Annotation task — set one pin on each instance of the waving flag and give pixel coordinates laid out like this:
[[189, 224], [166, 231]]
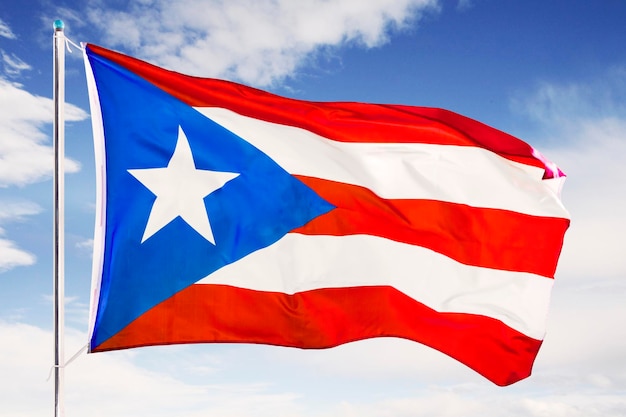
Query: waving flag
[[229, 214]]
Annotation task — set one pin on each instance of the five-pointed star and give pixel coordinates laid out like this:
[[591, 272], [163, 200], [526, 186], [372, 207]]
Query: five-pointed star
[[180, 189]]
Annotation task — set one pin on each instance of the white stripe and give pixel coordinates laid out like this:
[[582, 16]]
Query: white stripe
[[299, 263], [100, 165], [458, 174]]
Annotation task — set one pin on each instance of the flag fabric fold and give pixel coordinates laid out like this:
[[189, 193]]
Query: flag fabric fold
[[229, 214]]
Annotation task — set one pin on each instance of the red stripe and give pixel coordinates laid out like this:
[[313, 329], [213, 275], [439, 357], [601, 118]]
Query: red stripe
[[482, 237], [329, 317], [346, 122]]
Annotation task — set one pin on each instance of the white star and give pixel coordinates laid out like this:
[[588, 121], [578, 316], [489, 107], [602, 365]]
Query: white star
[[180, 189]]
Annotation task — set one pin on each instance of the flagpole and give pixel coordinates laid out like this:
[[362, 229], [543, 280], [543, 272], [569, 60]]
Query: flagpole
[[58, 214]]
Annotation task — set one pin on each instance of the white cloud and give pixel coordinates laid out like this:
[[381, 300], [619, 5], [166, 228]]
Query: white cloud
[[476, 401], [25, 156], [585, 125], [76, 311], [71, 18], [112, 384], [86, 244], [584, 352], [17, 210], [463, 5], [594, 195], [562, 107], [13, 66], [12, 256], [253, 41], [5, 30], [116, 383], [371, 360]]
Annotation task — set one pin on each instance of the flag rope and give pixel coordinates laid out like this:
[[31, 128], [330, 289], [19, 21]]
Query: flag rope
[[72, 359], [69, 42]]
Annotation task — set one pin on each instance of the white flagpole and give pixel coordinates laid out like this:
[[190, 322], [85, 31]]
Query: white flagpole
[[59, 220]]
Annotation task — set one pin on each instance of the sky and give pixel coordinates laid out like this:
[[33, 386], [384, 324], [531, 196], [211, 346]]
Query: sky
[[551, 72]]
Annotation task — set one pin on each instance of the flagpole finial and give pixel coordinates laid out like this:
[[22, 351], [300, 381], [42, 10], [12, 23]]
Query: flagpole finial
[[58, 24]]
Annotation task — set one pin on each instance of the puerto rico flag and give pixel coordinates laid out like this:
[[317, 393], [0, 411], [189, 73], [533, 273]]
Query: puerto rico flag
[[229, 214]]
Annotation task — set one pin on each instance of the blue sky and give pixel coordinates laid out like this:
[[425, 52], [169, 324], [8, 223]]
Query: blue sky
[[550, 72]]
